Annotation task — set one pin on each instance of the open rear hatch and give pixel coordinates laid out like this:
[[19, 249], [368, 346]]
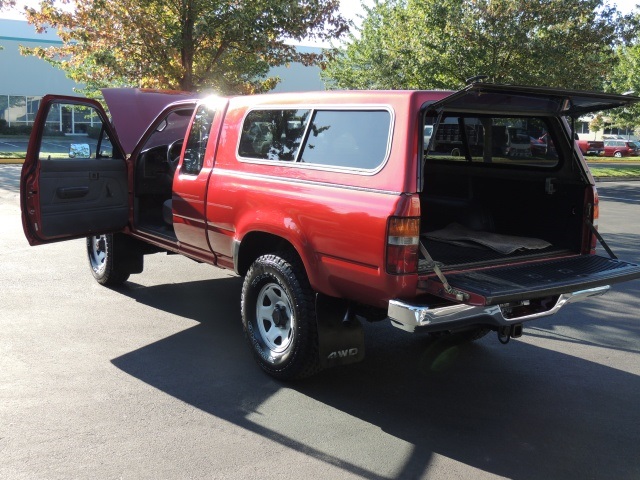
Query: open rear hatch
[[521, 100], [485, 278]]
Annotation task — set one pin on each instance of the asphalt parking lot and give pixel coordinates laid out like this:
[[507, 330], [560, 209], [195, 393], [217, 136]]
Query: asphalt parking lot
[[153, 380]]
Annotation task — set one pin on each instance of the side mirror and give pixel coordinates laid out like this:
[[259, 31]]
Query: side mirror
[[82, 150]]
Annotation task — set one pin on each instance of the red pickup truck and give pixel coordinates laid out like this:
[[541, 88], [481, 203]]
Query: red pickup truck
[[590, 147], [332, 207]]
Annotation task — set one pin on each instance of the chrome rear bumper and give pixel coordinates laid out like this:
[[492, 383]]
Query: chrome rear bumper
[[408, 316]]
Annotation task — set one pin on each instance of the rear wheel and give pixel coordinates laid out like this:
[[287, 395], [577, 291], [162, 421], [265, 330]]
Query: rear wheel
[[104, 266], [618, 154], [278, 317]]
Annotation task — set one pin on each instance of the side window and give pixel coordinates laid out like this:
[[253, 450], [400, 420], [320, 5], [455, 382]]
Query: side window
[[273, 134], [74, 131], [197, 140], [348, 138]]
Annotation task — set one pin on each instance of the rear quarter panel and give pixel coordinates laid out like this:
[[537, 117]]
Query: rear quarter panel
[[335, 219]]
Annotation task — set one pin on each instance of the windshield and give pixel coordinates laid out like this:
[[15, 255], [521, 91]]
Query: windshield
[[521, 141]]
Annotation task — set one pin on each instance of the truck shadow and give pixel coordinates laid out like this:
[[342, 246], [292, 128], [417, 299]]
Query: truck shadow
[[519, 411]]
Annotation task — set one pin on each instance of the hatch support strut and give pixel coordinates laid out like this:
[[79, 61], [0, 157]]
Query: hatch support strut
[[460, 296], [594, 230]]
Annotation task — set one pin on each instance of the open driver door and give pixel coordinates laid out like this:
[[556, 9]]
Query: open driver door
[[74, 180]]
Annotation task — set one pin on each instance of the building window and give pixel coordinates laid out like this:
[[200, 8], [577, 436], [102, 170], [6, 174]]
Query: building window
[[582, 127], [20, 110]]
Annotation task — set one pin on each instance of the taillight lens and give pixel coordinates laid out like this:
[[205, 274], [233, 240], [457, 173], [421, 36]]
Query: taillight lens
[[403, 238]]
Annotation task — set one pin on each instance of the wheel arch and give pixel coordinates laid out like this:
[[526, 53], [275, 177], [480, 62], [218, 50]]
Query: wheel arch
[[257, 243]]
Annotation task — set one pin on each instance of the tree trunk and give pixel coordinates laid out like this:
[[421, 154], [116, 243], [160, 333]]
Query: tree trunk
[[186, 50]]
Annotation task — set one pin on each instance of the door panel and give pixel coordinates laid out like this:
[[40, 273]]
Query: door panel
[[74, 180], [81, 196]]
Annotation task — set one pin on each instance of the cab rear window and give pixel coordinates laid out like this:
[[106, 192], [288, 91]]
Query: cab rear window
[[357, 139]]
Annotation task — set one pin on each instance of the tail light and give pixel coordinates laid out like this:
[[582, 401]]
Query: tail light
[[403, 238]]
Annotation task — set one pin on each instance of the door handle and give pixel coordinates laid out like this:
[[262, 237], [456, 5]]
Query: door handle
[[72, 192]]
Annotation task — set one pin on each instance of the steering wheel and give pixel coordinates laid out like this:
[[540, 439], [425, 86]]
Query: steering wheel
[[173, 153]]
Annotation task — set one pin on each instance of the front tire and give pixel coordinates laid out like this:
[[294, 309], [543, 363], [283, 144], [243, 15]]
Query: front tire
[[102, 259], [278, 317]]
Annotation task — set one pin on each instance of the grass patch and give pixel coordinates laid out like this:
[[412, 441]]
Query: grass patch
[[18, 155], [622, 160], [618, 172]]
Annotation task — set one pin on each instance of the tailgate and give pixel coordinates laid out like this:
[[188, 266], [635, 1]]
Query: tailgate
[[503, 284]]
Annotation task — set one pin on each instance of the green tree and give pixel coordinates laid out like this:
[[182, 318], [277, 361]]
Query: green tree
[[626, 78], [596, 124], [418, 44], [223, 45]]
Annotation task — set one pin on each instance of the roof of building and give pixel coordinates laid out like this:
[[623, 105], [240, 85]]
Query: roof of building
[[20, 30]]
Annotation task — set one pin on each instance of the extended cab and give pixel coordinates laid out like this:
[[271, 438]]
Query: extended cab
[[335, 206]]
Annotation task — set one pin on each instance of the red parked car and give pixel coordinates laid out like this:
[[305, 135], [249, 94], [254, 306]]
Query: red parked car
[[619, 148]]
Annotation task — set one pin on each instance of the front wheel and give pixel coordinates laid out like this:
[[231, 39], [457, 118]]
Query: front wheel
[[618, 154], [104, 266], [278, 317]]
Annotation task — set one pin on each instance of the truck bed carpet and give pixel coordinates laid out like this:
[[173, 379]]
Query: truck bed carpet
[[456, 234]]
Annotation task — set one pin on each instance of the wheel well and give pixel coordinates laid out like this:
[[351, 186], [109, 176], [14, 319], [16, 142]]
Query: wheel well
[[255, 244]]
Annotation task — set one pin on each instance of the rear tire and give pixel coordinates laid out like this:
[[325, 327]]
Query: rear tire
[[278, 317], [105, 267]]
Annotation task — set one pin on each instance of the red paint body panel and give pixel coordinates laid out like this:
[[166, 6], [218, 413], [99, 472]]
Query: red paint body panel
[[336, 221], [189, 194]]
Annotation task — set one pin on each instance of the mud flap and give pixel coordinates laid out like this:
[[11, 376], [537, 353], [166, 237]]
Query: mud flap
[[340, 335], [128, 253]]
